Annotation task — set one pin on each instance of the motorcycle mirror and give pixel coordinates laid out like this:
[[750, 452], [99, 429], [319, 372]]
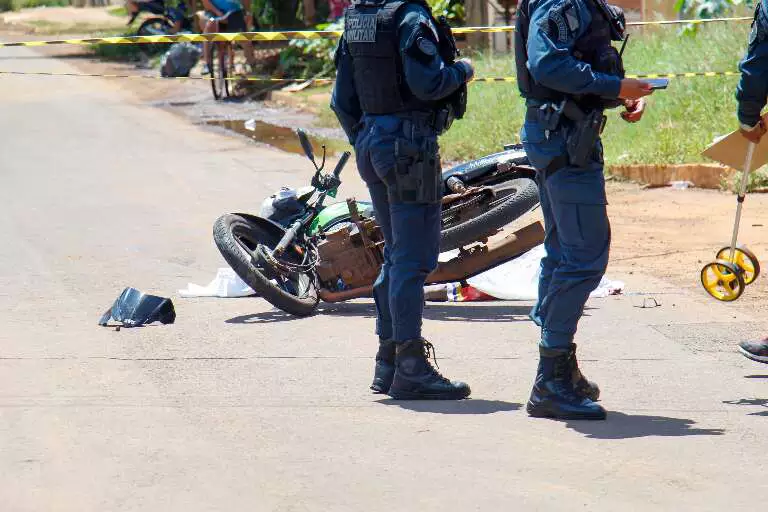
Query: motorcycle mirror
[[306, 145]]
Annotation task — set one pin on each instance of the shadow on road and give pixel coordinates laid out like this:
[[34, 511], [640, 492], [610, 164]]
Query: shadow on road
[[471, 406], [477, 312], [450, 313], [628, 426], [757, 402], [267, 317]]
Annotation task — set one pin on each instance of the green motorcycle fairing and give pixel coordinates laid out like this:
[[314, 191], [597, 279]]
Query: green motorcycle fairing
[[338, 212]]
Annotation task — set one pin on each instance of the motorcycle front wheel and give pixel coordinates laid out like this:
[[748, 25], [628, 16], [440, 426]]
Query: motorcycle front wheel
[[239, 239]]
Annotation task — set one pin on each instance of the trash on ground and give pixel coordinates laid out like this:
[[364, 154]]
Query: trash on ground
[[180, 59], [225, 284], [134, 308], [517, 279], [680, 185]]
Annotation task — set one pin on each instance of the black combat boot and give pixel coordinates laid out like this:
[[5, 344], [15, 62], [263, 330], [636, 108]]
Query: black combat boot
[[385, 366], [553, 394], [417, 379], [583, 387]]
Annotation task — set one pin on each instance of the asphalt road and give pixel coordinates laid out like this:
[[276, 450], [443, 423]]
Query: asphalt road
[[239, 407]]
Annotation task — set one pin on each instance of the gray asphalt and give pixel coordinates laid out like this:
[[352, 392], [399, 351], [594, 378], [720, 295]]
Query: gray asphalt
[[239, 407]]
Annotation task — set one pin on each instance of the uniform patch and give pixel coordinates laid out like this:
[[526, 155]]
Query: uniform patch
[[562, 22], [427, 47], [572, 19], [361, 28]]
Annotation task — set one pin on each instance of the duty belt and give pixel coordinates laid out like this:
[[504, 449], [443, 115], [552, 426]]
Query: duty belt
[[437, 120]]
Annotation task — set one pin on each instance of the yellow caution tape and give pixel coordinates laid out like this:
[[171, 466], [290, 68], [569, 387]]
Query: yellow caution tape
[[300, 34], [331, 80]]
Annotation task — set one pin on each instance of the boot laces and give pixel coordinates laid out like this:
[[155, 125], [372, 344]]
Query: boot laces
[[430, 348], [564, 378]]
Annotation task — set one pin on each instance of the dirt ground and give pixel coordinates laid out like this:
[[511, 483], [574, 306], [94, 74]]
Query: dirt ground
[[660, 233]]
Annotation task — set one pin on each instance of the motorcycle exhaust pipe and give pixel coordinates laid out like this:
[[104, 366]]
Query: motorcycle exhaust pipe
[[467, 264], [483, 257]]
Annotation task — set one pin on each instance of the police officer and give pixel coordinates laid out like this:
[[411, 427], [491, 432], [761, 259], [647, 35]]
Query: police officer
[[751, 95], [395, 93], [569, 73]]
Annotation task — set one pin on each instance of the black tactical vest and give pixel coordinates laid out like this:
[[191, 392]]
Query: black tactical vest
[[370, 30], [593, 48]]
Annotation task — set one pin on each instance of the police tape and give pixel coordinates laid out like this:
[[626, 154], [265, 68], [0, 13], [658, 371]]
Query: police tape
[[507, 79], [300, 34]]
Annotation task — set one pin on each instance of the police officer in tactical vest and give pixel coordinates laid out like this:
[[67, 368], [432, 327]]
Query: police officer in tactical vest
[[751, 95], [397, 88], [569, 74]]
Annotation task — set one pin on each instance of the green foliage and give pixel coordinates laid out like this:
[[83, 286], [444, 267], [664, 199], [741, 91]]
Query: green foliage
[[757, 180], [24, 4], [679, 123], [453, 10], [305, 58], [6, 5], [709, 8]]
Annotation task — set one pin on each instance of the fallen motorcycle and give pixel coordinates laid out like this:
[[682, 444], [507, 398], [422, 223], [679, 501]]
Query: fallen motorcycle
[[302, 252]]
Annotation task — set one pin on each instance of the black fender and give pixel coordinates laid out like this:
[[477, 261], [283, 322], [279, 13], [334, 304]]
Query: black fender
[[267, 224], [469, 171]]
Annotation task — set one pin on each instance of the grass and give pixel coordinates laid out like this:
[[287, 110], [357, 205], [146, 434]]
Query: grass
[[679, 123]]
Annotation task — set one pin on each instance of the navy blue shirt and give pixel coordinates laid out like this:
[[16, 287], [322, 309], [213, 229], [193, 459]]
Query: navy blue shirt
[[555, 25], [428, 80], [752, 90]]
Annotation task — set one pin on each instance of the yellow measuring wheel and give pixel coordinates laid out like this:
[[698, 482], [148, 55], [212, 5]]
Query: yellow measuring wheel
[[735, 266], [744, 259], [723, 280]]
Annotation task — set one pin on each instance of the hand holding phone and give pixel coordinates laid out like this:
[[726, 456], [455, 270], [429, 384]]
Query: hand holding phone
[[658, 83]]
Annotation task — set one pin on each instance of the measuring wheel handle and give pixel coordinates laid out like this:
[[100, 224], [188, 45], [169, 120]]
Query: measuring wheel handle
[[723, 280]]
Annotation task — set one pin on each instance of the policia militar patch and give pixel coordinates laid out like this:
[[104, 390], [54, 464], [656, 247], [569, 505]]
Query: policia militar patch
[[360, 28], [562, 22]]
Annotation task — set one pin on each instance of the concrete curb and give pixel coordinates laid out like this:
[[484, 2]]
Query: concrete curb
[[701, 175]]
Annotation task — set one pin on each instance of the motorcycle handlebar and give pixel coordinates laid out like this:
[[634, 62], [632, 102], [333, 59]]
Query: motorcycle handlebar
[[342, 162]]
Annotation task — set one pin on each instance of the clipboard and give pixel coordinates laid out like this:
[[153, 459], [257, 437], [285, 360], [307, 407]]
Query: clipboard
[[731, 149]]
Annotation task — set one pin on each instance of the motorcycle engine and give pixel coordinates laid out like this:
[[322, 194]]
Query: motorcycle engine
[[351, 257]]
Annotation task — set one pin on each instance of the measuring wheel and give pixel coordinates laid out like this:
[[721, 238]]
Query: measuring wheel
[[735, 266], [744, 259], [723, 280]]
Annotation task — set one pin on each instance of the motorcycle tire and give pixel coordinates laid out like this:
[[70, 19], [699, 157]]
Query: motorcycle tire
[[232, 234], [154, 26], [515, 197]]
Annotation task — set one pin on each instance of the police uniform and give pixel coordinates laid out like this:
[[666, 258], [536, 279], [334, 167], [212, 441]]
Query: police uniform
[[394, 95], [568, 72], [752, 90]]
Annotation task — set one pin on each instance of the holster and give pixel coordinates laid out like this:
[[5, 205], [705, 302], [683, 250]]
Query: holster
[[416, 177], [583, 134]]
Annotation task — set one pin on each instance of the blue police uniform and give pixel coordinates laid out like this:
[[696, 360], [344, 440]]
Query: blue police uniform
[[752, 90], [389, 136], [751, 94], [555, 70]]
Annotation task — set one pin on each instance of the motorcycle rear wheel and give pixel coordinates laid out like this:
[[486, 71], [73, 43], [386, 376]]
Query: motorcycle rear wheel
[[237, 239], [482, 217]]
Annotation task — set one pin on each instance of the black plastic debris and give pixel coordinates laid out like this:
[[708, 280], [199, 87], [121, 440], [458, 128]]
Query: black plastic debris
[[134, 309]]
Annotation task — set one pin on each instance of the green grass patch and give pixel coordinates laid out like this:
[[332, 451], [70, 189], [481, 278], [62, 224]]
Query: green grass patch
[[679, 123], [28, 4]]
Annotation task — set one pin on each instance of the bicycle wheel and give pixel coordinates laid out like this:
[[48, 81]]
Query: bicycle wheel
[[218, 63]]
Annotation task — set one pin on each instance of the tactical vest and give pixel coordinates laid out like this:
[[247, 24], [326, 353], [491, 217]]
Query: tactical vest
[[593, 48], [370, 31]]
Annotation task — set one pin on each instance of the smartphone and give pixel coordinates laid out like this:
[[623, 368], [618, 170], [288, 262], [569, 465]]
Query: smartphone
[[657, 83]]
